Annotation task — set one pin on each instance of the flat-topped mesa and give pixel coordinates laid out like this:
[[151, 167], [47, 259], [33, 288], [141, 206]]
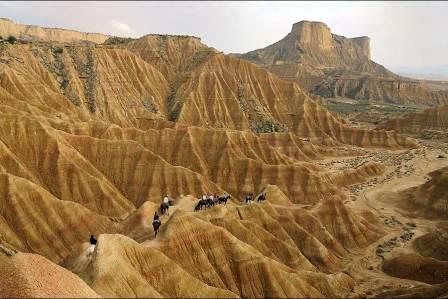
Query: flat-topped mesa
[[331, 65], [37, 33], [315, 48], [317, 36]]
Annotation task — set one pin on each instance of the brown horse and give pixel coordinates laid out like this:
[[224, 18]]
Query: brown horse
[[223, 199], [202, 203], [261, 197]]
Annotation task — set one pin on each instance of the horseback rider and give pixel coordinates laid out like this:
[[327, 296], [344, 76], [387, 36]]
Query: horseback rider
[[211, 201], [166, 200], [165, 205], [223, 198]]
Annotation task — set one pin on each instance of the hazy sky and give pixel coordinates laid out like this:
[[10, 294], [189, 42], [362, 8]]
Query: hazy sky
[[402, 33]]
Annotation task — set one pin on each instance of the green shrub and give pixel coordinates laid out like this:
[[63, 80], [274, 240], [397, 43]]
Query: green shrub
[[58, 50], [11, 39], [117, 40]]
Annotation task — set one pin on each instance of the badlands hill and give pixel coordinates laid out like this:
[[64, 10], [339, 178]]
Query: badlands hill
[[178, 79], [92, 137], [331, 65]]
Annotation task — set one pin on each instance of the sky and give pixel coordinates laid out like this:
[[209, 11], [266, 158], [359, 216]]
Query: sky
[[402, 34]]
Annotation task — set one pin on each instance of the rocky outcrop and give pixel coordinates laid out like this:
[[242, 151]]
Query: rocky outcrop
[[313, 44], [331, 66]]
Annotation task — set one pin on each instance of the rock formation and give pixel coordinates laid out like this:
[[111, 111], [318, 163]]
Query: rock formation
[[331, 66]]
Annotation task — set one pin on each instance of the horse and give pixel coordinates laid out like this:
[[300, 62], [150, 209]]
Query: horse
[[261, 197], [201, 203], [164, 208], [156, 226], [223, 199], [210, 202], [248, 199]]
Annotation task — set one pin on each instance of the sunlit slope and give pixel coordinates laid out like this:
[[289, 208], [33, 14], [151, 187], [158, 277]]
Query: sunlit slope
[[246, 251]]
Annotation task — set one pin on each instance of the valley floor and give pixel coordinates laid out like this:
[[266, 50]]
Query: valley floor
[[405, 169]]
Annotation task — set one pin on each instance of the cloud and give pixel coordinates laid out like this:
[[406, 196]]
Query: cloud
[[122, 28]]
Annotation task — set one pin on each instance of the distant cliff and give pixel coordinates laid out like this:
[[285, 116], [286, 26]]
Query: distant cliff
[[314, 44], [37, 33], [331, 65]]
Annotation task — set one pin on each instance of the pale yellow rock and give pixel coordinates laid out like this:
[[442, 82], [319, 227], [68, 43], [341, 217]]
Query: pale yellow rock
[[9, 27]]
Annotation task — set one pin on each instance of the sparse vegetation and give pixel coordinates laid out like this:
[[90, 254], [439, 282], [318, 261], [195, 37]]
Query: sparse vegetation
[[268, 126], [118, 40], [90, 66], [384, 110], [148, 104], [11, 39], [58, 50]]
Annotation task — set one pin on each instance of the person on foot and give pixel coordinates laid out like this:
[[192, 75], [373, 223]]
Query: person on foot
[[93, 242], [248, 199]]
